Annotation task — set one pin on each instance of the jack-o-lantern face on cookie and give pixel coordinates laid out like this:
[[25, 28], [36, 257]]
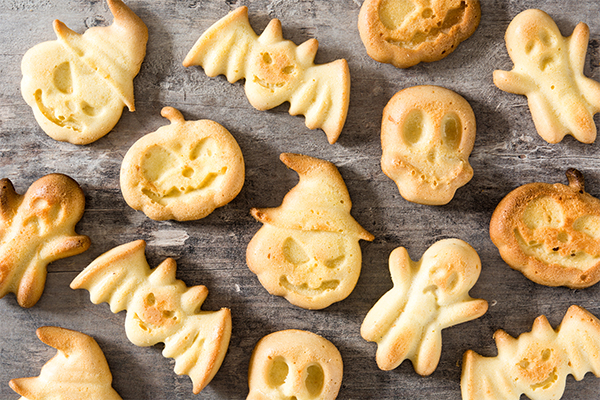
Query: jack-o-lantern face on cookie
[[538, 366], [551, 233], [182, 171], [294, 364], [427, 134], [307, 250], [78, 85]]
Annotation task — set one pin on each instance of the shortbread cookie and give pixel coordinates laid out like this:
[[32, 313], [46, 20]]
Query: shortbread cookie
[[78, 85], [536, 363], [549, 71], [78, 370], [307, 250], [405, 32], [551, 233], [276, 71], [36, 229], [160, 308], [427, 134], [428, 296], [182, 171], [294, 364]]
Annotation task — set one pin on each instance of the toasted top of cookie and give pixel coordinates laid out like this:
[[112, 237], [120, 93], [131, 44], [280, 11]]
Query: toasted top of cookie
[[78, 367], [294, 364], [404, 33], [276, 70], [427, 134], [182, 171]]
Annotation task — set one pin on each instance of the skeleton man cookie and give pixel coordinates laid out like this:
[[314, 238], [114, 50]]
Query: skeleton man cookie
[[548, 69], [78, 85], [428, 296], [427, 134], [36, 229], [78, 367], [276, 71], [160, 308], [536, 363], [307, 249], [182, 171], [294, 364]]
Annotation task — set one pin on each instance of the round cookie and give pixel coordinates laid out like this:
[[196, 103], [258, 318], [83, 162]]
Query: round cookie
[[182, 171], [406, 32], [427, 134], [294, 364]]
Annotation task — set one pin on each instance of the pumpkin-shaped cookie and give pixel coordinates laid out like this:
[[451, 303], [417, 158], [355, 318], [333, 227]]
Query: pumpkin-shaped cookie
[[551, 233], [182, 171]]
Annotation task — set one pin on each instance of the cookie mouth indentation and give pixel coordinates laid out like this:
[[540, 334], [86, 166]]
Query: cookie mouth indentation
[[51, 115], [268, 85], [305, 290]]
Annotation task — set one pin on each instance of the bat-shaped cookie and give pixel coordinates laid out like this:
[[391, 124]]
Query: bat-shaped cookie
[[160, 308], [276, 70], [536, 363]]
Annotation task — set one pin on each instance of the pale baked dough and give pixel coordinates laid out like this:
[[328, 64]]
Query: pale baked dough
[[182, 171], [160, 308], [307, 249], [78, 85], [78, 370], [427, 134], [536, 363], [406, 32], [276, 71], [428, 296], [35, 229], [551, 233], [548, 69], [294, 364]]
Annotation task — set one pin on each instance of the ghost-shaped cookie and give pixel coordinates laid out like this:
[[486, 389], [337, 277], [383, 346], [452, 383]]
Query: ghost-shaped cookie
[[182, 171], [307, 250], [79, 367], [548, 69], [78, 85]]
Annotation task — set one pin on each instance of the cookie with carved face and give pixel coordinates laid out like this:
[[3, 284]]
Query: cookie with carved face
[[536, 363], [551, 233], [307, 249], [182, 171], [407, 32], [548, 69], [78, 85], [294, 364], [427, 134]]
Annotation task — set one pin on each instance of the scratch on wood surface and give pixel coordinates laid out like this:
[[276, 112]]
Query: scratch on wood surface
[[168, 238]]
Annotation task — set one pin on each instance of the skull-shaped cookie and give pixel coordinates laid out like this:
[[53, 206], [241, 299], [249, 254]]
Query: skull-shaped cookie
[[549, 71], [294, 364], [427, 134], [182, 171], [78, 85], [307, 250]]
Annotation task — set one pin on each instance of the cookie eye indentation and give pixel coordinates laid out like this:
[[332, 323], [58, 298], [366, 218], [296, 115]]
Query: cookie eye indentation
[[314, 379], [529, 47], [62, 78], [452, 129], [293, 252], [278, 372], [413, 127]]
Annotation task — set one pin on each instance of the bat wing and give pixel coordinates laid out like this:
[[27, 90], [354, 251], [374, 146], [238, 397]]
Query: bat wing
[[323, 97], [579, 333], [486, 378], [223, 48]]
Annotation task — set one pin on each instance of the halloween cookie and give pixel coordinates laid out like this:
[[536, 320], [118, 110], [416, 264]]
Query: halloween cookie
[[182, 171], [551, 233], [548, 69], [294, 364], [160, 308], [406, 32], [428, 296], [307, 249], [427, 134], [276, 71], [536, 363], [78, 85], [36, 229], [78, 367]]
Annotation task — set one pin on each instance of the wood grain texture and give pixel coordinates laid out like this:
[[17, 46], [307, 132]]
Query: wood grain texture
[[507, 154]]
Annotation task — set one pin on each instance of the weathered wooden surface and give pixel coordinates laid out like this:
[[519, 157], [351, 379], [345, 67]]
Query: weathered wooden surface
[[507, 153]]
